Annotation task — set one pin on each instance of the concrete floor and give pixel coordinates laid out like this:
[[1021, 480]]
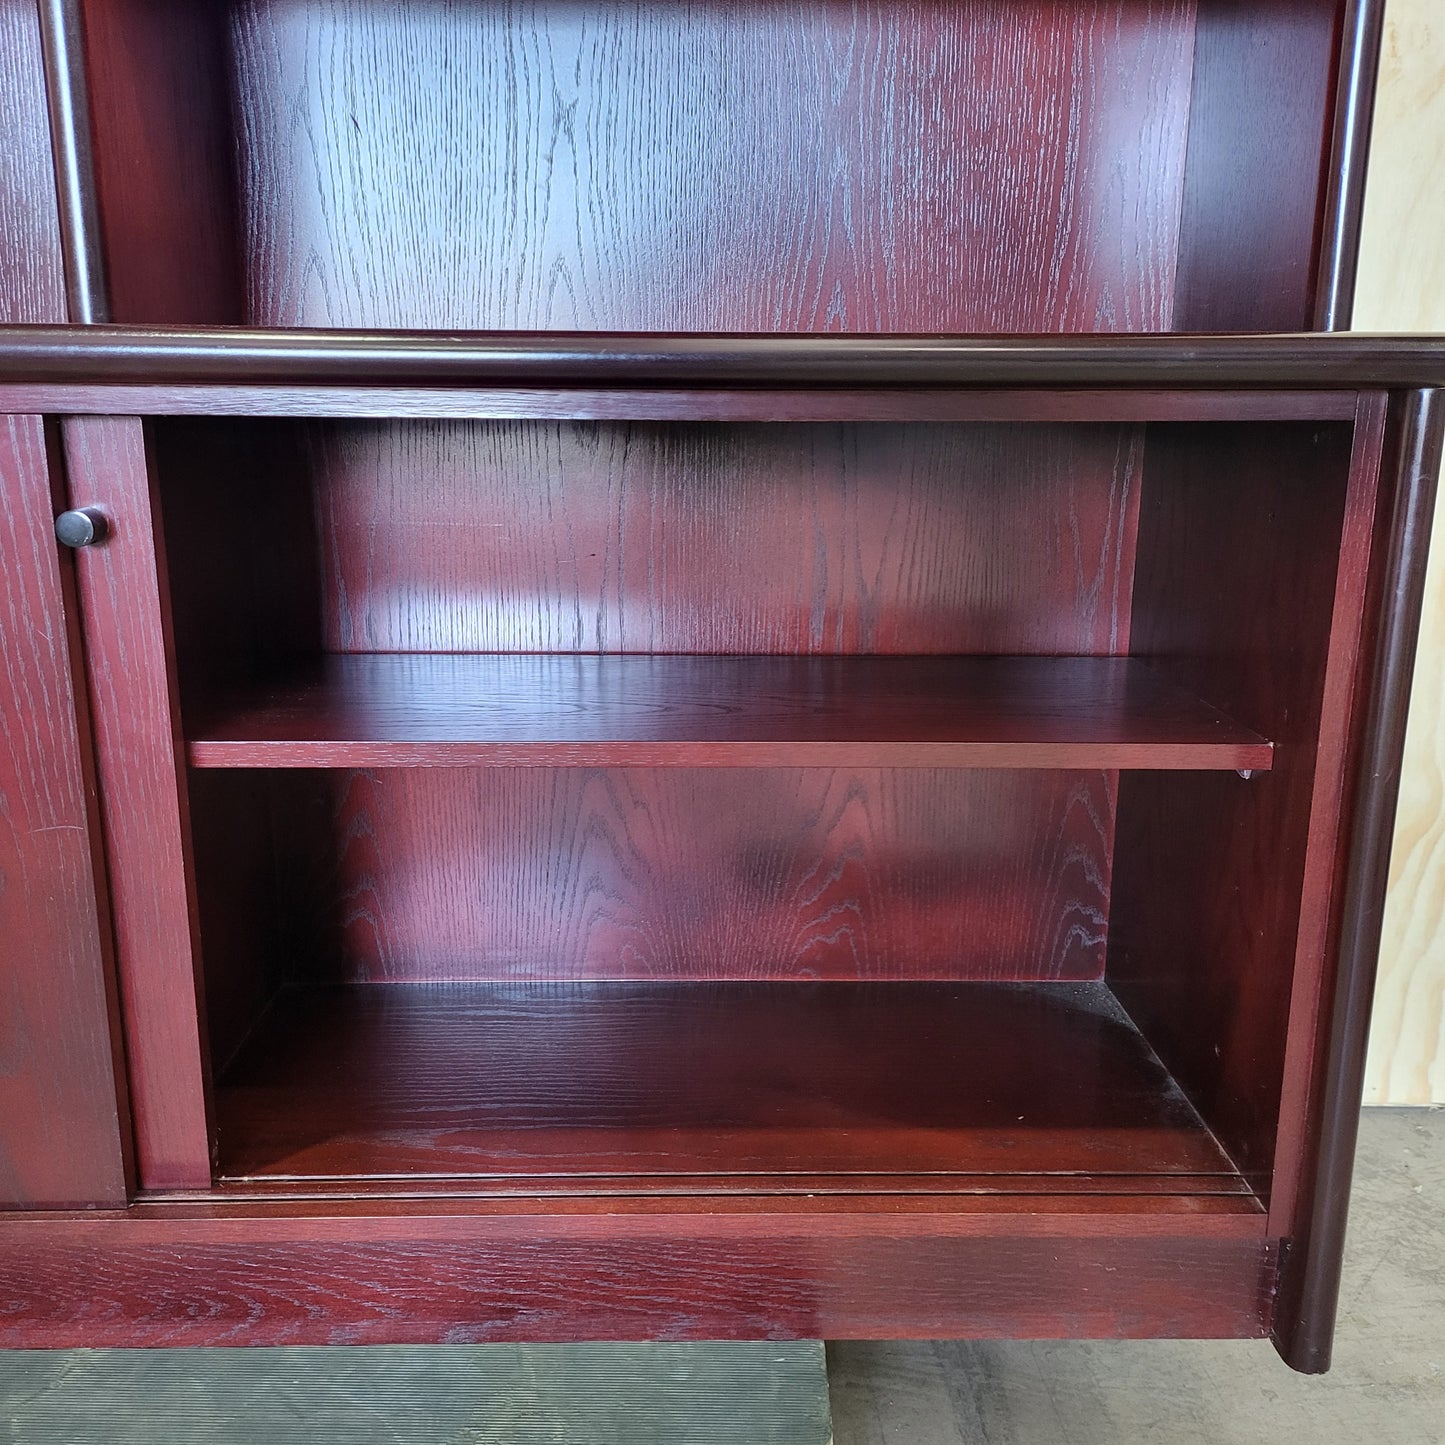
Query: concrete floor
[[746, 1393], [1387, 1386]]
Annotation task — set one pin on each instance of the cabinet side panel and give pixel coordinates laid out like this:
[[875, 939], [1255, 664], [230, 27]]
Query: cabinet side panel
[[32, 266], [162, 155], [143, 799], [1240, 535], [64, 1132], [1335, 1032], [1255, 179]]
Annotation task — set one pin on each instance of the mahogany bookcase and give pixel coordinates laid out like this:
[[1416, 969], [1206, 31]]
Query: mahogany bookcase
[[721, 670]]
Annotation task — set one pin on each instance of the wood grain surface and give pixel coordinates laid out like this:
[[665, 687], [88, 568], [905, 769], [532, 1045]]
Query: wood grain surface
[[464, 709], [122, 590], [755, 1079], [807, 538], [32, 266], [1402, 285], [1260, 133], [1352, 800], [163, 160], [64, 1127], [1152, 1206], [457, 403], [800, 166], [1402, 440], [550, 874], [1241, 532], [383, 1281]]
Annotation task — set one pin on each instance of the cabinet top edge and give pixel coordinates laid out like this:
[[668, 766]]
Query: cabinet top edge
[[203, 355]]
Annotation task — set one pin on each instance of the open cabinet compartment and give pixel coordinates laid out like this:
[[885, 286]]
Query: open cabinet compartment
[[964, 940], [784, 851], [898, 165]]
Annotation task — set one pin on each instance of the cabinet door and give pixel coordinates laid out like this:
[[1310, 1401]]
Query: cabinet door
[[64, 1128]]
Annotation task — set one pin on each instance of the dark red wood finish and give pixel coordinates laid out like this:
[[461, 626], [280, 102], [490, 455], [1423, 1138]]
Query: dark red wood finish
[[232, 842], [1253, 549], [1368, 509], [630, 537], [237, 506], [918, 178], [376, 710], [1261, 139], [549, 874], [1361, 35], [785, 1081], [833, 404], [1309, 1295], [493, 875], [243, 1277], [1147, 1206], [149, 229], [32, 266], [298, 359], [659, 994], [64, 1125], [64, 1130], [813, 166], [143, 804], [71, 140], [166, 207], [239, 526]]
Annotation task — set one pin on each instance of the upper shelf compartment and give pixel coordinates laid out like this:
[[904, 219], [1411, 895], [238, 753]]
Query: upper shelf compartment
[[809, 166]]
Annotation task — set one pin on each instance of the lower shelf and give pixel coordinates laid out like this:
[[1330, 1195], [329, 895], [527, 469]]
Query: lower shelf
[[377, 710], [993, 1089]]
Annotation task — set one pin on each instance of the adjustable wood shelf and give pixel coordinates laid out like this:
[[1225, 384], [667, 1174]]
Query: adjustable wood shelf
[[728, 671], [378, 710]]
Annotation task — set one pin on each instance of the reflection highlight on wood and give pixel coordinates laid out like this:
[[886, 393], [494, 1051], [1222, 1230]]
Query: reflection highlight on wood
[[699, 537]]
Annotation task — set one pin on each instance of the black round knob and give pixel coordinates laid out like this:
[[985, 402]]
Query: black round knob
[[83, 527]]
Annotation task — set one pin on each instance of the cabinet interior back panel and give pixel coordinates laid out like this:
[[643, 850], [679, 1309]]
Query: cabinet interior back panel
[[799, 165], [421, 875], [708, 537]]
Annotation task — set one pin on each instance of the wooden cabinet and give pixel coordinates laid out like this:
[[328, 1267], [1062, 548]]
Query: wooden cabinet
[[691, 713]]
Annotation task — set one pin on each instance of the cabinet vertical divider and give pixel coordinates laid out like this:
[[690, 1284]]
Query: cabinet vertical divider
[[143, 800]]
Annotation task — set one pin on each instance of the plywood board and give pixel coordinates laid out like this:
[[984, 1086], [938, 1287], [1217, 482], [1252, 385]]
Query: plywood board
[[1402, 288]]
